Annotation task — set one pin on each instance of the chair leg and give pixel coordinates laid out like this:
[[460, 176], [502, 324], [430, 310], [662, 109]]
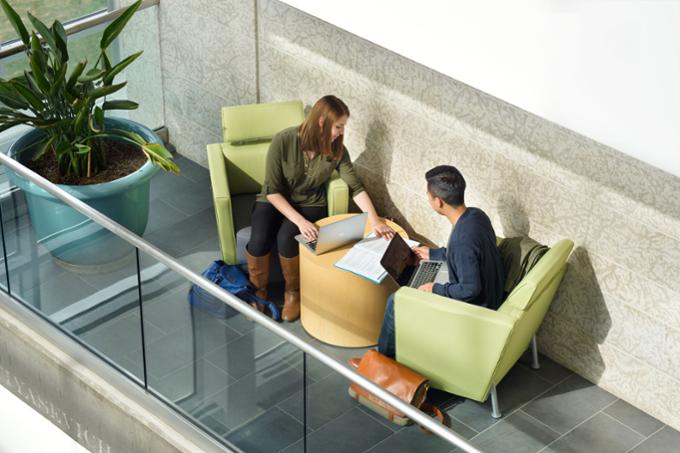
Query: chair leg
[[495, 408], [534, 354]]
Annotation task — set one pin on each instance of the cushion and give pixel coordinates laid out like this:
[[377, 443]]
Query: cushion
[[258, 122]]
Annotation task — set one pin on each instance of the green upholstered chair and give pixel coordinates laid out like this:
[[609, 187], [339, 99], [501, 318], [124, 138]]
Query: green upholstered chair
[[237, 169], [466, 349]]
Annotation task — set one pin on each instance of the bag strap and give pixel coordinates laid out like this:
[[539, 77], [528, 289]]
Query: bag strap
[[434, 410], [250, 297]]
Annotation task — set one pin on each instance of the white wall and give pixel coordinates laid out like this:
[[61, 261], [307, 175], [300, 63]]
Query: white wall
[[608, 69]]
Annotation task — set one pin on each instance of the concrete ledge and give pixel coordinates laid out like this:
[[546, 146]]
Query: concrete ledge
[[82, 395]]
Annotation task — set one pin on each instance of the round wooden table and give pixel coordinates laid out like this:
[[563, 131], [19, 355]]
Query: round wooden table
[[338, 307]]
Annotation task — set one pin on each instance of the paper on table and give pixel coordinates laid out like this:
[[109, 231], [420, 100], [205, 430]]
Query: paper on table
[[364, 258]]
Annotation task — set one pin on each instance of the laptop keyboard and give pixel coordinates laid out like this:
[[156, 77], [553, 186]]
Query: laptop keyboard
[[426, 273]]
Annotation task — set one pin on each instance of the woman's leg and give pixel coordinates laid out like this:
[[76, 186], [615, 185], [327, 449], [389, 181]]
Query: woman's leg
[[290, 260], [265, 222], [285, 239]]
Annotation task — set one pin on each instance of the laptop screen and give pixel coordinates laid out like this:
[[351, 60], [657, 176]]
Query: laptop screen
[[396, 257]]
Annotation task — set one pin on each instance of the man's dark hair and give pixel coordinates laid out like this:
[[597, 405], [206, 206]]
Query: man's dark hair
[[447, 183]]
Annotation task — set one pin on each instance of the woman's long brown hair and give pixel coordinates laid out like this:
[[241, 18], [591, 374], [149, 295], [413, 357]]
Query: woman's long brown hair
[[312, 137]]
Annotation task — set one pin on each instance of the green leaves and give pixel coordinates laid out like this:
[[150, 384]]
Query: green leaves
[[91, 75], [160, 156], [108, 78], [66, 103], [105, 90], [45, 33], [115, 27], [16, 22], [119, 105]]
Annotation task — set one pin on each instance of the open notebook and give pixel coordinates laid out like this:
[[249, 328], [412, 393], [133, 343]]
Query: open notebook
[[364, 258]]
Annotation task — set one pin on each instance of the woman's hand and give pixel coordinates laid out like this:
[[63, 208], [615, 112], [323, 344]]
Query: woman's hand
[[307, 229], [381, 229], [422, 252]]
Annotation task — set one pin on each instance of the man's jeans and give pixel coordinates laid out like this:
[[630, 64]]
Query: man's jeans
[[386, 340]]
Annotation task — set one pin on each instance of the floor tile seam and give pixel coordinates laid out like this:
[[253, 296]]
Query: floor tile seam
[[535, 373], [282, 409], [186, 215], [496, 422], [323, 425], [541, 422], [464, 424], [546, 391], [193, 363], [572, 429], [367, 450], [225, 371], [623, 424], [170, 205], [206, 178], [645, 439]]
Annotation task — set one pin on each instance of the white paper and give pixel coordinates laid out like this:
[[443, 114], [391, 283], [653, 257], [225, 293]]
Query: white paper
[[364, 257]]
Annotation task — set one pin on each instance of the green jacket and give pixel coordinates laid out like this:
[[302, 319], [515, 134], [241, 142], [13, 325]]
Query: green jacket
[[519, 255], [301, 182]]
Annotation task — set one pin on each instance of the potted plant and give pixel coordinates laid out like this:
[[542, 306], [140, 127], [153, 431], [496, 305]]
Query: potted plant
[[104, 161]]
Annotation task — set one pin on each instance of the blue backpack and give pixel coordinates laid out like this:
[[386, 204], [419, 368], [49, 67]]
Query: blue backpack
[[231, 278]]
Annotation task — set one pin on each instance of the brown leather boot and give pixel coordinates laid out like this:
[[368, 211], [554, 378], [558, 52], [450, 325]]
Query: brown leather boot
[[291, 296], [258, 273]]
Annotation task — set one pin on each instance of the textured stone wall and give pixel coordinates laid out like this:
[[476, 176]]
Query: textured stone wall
[[208, 61], [616, 318]]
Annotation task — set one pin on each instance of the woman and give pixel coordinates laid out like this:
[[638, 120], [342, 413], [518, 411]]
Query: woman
[[300, 162]]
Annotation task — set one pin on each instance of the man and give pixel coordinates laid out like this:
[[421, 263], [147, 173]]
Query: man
[[474, 264]]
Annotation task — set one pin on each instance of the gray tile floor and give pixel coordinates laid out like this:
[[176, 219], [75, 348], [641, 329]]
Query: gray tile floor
[[245, 384]]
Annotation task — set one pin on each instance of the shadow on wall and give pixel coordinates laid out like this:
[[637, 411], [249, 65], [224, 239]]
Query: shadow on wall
[[374, 166], [477, 111], [578, 320]]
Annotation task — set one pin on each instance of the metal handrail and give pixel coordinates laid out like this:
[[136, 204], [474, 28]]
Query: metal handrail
[[83, 23], [236, 303]]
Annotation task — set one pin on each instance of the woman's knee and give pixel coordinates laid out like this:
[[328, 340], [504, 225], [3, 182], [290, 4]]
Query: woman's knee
[[285, 241]]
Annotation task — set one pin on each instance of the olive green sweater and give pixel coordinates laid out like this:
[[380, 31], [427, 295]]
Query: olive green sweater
[[286, 173]]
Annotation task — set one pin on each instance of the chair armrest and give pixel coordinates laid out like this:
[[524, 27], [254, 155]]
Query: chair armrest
[[337, 195], [222, 202], [455, 344]]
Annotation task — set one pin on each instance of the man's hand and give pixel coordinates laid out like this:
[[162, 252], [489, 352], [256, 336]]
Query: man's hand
[[427, 287], [422, 253], [307, 229]]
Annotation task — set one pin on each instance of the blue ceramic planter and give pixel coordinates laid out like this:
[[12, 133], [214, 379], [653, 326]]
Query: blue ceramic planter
[[68, 235]]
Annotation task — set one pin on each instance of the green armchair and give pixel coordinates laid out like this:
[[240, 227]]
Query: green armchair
[[237, 169], [466, 349]]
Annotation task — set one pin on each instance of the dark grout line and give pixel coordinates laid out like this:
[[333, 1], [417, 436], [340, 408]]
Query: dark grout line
[[623, 424], [539, 421], [645, 439], [520, 407]]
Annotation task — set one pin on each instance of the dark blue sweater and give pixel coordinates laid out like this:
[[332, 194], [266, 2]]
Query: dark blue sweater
[[475, 266]]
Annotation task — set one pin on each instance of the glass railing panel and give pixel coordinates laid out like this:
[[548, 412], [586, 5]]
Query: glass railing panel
[[221, 369], [48, 11], [74, 272]]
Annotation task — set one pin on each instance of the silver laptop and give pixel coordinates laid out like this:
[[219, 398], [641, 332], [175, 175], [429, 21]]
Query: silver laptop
[[336, 234], [396, 262]]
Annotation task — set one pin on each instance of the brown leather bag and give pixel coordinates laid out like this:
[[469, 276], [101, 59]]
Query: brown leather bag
[[397, 379]]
